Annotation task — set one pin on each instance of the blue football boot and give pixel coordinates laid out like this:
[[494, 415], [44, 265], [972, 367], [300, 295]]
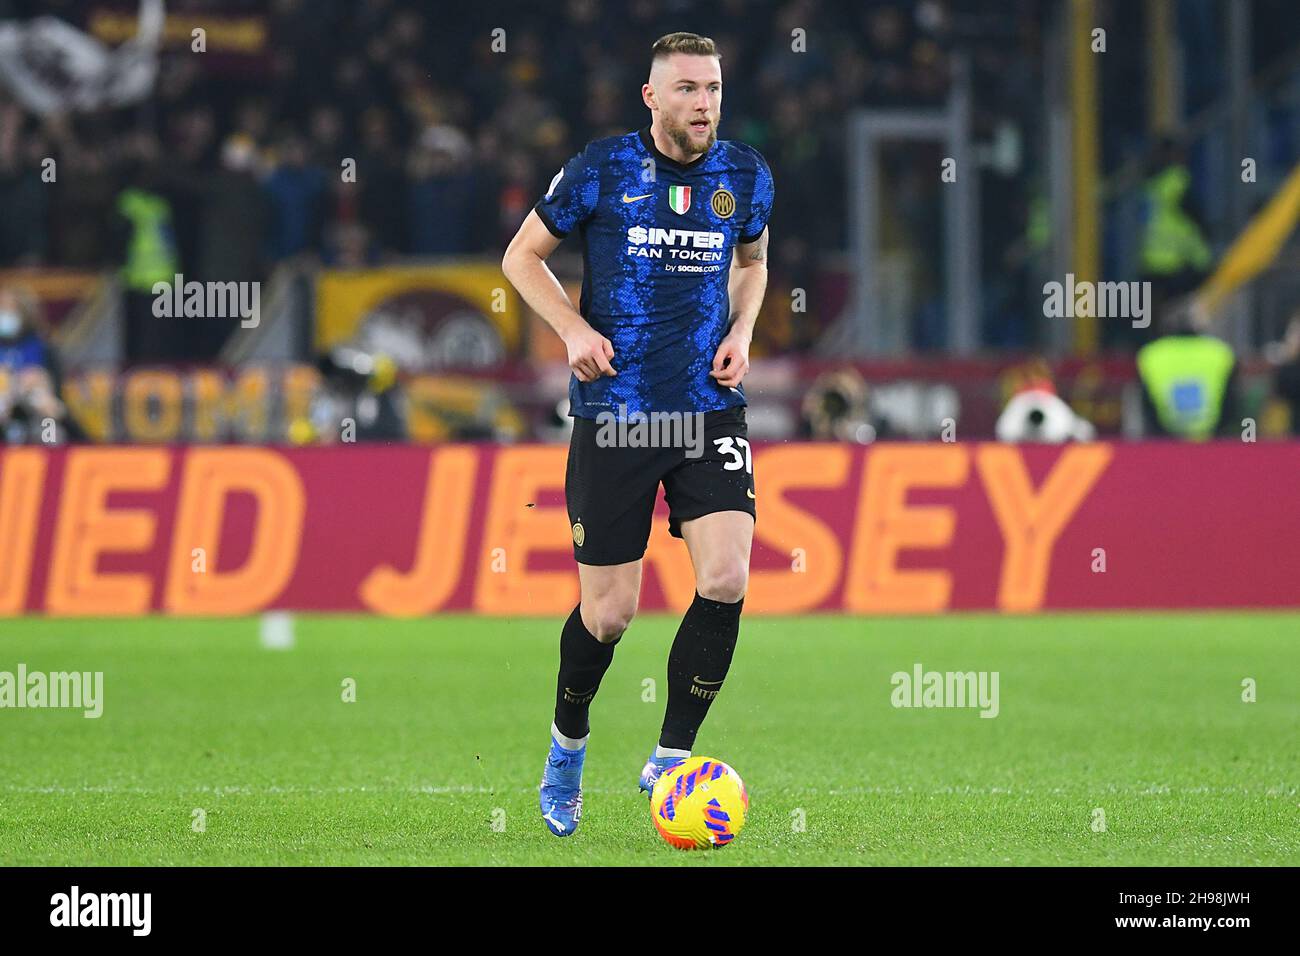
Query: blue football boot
[[652, 770], [561, 789]]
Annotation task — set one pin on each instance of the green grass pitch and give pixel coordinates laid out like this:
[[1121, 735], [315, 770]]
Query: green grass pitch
[[438, 759]]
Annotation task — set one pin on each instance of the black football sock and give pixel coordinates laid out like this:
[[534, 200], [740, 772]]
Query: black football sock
[[697, 666], [583, 662]]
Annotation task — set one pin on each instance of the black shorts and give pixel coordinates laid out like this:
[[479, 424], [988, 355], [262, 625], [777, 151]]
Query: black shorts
[[610, 487]]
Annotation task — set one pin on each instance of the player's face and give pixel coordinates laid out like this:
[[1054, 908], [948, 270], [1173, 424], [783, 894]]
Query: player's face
[[689, 93]]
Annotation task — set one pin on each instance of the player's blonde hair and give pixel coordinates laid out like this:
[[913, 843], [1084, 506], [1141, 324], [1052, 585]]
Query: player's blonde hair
[[691, 44]]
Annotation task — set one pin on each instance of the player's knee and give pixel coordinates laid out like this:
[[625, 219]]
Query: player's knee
[[725, 583], [607, 620]]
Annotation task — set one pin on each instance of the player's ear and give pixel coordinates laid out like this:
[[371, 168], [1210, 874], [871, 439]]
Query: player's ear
[[648, 96]]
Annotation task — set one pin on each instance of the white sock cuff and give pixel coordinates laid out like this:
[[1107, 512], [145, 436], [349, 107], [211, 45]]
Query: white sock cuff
[[670, 752], [568, 743]]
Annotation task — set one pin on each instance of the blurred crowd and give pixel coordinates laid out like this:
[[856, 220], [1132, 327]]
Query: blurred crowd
[[454, 140], [363, 132]]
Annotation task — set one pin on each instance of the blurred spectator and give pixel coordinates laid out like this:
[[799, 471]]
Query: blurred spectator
[[1175, 254], [441, 198], [82, 212], [149, 256], [327, 148], [30, 409], [297, 191], [382, 178], [235, 214], [22, 339], [23, 197], [1189, 382], [348, 245], [1285, 355]]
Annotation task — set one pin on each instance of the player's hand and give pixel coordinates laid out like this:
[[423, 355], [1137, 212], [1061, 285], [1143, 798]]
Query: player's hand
[[731, 363], [589, 354]]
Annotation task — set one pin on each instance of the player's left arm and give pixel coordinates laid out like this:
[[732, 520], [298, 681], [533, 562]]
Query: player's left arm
[[745, 287]]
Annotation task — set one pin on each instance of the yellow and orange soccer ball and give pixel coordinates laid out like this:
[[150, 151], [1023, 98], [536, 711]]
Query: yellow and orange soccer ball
[[699, 804]]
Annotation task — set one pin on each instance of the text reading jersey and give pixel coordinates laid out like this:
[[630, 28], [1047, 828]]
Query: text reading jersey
[[657, 239]]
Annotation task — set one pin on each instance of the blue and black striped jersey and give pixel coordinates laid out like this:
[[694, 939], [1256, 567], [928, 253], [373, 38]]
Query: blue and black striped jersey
[[657, 239]]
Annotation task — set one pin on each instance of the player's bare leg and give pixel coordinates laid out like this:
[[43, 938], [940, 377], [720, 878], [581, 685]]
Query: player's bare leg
[[719, 545], [609, 596], [608, 601]]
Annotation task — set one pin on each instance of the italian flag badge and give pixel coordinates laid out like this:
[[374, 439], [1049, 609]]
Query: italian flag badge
[[679, 198]]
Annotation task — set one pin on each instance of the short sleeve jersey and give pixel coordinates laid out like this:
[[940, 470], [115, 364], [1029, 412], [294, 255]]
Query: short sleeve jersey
[[657, 239]]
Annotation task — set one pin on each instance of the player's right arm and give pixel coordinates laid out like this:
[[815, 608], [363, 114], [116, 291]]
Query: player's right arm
[[524, 264]]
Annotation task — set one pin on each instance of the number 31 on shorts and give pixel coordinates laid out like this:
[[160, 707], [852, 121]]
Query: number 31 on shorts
[[727, 446]]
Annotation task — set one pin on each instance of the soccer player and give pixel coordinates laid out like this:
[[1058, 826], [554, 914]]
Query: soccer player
[[673, 225]]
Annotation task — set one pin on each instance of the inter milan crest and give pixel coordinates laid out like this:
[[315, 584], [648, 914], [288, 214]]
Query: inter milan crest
[[679, 199], [723, 203]]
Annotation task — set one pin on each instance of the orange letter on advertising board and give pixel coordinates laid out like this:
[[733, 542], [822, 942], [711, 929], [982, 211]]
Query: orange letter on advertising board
[[87, 527], [440, 547], [89, 398], [800, 537], [1031, 523], [887, 525], [168, 395], [239, 407], [211, 475], [512, 531], [22, 479]]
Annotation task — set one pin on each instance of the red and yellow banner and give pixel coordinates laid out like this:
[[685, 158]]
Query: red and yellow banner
[[887, 529]]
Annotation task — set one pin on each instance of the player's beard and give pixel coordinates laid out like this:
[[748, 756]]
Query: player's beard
[[681, 135]]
